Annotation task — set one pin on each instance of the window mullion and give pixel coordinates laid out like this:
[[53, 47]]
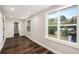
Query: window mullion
[[58, 27]]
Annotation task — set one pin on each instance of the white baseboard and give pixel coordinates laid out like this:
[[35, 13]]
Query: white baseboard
[[47, 47]]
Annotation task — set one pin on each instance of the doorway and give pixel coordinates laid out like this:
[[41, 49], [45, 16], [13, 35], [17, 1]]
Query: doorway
[[16, 32]]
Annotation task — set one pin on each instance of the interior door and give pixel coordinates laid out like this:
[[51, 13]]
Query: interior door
[[16, 32]]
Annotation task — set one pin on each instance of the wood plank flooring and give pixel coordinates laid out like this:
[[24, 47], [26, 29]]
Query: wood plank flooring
[[23, 45]]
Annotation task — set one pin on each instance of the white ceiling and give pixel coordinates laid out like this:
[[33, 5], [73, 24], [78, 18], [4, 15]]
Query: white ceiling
[[22, 11]]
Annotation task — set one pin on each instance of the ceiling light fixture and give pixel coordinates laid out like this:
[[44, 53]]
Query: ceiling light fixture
[[11, 16], [12, 9], [29, 13]]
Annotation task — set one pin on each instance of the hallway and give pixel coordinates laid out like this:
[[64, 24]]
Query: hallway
[[22, 45], [50, 27]]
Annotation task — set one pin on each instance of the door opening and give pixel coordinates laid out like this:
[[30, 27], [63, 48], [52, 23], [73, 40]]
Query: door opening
[[16, 32]]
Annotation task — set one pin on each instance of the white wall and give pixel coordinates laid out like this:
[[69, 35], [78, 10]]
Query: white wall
[[1, 30], [38, 34], [10, 27]]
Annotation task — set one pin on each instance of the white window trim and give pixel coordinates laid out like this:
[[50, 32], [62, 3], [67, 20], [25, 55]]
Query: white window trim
[[67, 43]]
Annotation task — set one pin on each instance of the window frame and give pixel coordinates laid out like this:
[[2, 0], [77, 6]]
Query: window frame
[[67, 43], [27, 25]]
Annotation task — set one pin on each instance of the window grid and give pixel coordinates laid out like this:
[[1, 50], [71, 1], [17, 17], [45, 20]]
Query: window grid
[[59, 26]]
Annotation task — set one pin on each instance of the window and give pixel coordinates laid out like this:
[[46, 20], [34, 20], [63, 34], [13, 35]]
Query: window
[[28, 26], [68, 24], [62, 24], [52, 25]]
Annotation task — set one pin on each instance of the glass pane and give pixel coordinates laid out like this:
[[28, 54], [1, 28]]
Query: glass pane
[[68, 33], [28, 26], [69, 15], [52, 31], [52, 21], [52, 18], [28, 23]]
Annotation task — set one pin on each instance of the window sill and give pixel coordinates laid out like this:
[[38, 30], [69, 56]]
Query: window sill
[[66, 43]]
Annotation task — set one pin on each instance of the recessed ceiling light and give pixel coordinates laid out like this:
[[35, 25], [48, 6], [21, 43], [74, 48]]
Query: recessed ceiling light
[[29, 13], [12, 9], [11, 16]]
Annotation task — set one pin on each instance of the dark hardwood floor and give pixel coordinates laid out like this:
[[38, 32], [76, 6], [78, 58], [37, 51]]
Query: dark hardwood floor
[[23, 45]]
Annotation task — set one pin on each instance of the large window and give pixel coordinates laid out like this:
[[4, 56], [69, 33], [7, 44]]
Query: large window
[[52, 25], [62, 24]]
